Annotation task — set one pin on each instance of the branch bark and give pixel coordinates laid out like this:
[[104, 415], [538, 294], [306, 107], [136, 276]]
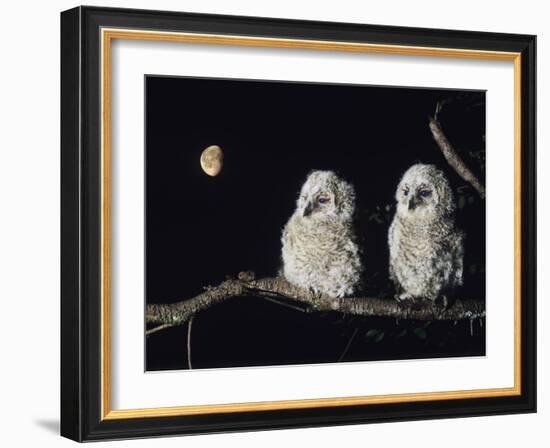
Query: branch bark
[[453, 158], [270, 288]]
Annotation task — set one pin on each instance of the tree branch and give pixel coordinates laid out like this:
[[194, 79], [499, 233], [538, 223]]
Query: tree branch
[[277, 287], [453, 158]]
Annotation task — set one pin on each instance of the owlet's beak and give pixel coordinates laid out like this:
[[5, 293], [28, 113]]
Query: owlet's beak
[[413, 202], [308, 209]]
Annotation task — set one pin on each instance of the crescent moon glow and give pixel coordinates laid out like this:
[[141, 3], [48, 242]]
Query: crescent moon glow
[[212, 160]]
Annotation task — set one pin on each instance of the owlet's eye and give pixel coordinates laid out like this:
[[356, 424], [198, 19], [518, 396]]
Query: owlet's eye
[[323, 200], [425, 193], [405, 191]]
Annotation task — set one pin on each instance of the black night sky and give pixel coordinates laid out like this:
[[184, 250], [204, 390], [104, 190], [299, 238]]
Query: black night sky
[[200, 229]]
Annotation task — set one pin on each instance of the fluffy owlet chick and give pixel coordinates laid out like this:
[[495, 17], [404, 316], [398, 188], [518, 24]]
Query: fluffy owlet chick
[[319, 249], [426, 249]]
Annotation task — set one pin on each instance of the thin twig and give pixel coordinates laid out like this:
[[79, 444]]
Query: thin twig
[[348, 345], [189, 324], [288, 305], [160, 327]]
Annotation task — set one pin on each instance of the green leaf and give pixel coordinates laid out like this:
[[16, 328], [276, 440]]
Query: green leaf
[[420, 333], [401, 333], [376, 217], [372, 333], [379, 337]]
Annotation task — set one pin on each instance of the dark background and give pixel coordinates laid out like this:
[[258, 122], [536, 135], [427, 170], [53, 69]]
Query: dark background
[[200, 228]]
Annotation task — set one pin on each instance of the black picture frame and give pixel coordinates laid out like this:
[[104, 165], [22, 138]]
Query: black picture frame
[[82, 408]]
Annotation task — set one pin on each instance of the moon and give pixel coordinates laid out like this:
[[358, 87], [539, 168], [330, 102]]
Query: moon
[[212, 160]]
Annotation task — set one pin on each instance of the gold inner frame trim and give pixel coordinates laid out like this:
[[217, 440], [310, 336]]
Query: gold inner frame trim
[[107, 35]]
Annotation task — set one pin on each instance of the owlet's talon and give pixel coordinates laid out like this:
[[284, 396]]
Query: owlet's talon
[[405, 298]]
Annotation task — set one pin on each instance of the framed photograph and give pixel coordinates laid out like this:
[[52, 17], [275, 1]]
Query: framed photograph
[[272, 224]]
